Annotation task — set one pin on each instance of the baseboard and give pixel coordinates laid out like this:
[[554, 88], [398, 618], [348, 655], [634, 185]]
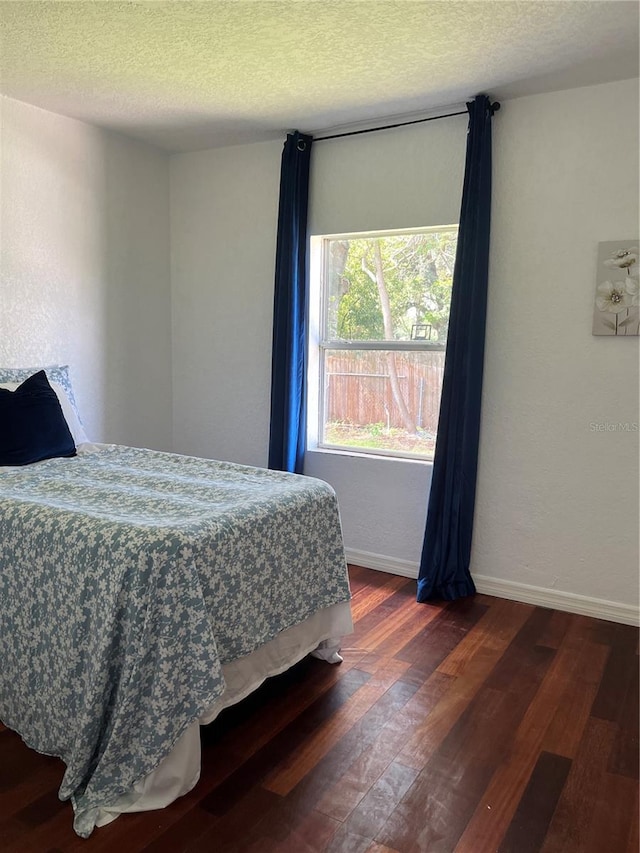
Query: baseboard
[[556, 599], [383, 564]]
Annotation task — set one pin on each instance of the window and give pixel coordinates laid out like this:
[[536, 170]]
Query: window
[[380, 312]]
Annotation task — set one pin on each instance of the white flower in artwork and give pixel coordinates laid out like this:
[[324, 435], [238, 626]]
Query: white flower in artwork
[[622, 259], [612, 296], [632, 286]]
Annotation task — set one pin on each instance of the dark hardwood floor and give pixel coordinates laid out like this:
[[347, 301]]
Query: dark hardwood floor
[[482, 725]]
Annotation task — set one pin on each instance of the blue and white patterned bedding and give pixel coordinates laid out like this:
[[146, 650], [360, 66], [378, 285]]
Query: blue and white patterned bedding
[[128, 577]]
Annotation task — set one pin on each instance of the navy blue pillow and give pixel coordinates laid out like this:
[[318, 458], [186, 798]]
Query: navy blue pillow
[[32, 426]]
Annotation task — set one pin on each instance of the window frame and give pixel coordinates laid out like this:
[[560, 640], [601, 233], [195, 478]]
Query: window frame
[[319, 346]]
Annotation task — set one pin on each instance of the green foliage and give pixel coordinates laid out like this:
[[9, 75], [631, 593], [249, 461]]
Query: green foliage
[[418, 272], [359, 314]]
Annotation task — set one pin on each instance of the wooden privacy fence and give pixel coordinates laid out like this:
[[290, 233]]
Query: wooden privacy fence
[[359, 389]]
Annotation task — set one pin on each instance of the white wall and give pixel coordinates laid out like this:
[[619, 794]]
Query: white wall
[[224, 209], [84, 268], [557, 503]]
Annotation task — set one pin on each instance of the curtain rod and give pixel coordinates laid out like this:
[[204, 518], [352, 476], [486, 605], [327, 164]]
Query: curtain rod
[[494, 109]]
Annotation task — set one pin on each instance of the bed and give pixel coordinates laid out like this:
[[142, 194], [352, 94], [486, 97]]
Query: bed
[[141, 593]]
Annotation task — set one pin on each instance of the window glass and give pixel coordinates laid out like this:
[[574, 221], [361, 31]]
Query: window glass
[[383, 304], [395, 287]]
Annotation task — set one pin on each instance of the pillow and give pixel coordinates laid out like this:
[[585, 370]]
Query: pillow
[[60, 378], [70, 415], [56, 373], [32, 426]]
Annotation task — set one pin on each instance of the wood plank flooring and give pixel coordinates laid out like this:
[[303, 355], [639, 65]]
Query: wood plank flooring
[[481, 725]]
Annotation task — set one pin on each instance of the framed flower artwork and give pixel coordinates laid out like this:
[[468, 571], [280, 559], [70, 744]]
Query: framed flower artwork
[[616, 308]]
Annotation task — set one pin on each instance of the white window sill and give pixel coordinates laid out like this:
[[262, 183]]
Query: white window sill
[[373, 457]]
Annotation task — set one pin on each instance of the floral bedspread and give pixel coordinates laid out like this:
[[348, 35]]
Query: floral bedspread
[[127, 578]]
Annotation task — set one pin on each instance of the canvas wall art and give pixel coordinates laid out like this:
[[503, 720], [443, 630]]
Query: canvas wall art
[[616, 308]]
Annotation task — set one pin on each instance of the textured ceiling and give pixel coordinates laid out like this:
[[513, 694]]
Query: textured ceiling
[[188, 75]]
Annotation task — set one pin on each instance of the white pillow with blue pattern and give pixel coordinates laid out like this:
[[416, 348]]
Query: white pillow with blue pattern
[[60, 381]]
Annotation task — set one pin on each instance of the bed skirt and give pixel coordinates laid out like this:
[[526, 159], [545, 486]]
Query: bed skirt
[[179, 771]]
